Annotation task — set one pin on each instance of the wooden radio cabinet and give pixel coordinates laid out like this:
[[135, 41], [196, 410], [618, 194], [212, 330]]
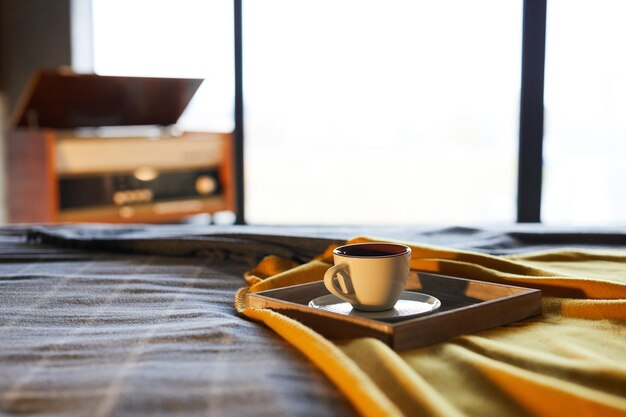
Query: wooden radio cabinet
[[88, 148]]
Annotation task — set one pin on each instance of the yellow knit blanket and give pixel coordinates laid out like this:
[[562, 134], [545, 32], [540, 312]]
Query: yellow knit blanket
[[571, 361]]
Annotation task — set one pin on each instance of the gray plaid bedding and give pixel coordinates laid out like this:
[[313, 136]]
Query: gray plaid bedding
[[85, 333]]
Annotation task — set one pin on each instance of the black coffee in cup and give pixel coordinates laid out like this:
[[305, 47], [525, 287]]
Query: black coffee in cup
[[374, 250]]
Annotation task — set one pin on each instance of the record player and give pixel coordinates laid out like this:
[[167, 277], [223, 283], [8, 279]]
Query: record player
[[90, 148]]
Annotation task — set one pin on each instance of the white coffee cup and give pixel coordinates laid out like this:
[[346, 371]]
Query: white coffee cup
[[371, 276]]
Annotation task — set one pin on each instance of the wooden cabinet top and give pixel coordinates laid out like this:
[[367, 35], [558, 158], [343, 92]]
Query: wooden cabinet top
[[64, 100]]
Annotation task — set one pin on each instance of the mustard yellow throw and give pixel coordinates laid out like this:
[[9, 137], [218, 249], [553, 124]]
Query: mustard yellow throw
[[571, 361]]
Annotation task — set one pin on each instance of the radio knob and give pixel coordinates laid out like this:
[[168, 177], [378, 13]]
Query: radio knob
[[205, 185], [120, 198]]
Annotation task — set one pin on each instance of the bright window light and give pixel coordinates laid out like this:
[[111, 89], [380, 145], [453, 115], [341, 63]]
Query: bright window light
[[381, 111], [585, 103]]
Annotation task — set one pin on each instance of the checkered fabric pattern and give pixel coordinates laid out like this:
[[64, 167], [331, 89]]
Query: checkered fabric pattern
[[90, 333]]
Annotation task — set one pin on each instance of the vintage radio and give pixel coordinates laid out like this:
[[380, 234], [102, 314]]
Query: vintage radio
[[88, 148]]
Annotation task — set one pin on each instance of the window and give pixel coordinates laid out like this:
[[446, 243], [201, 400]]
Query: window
[[381, 112], [585, 105], [356, 111]]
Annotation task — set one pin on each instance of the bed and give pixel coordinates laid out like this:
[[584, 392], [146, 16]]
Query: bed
[[134, 320]]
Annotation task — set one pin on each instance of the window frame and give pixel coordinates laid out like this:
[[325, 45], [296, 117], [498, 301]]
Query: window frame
[[530, 150]]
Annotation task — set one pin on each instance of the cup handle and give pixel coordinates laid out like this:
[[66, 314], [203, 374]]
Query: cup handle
[[329, 282]]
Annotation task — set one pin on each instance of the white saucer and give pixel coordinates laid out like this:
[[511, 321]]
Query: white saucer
[[411, 304]]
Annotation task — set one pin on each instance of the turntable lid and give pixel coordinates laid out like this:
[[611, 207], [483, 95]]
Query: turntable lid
[[64, 100]]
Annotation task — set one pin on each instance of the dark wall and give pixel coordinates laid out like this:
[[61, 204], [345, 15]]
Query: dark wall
[[1, 47], [33, 34]]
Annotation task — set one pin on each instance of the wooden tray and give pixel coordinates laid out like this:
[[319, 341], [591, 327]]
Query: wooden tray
[[467, 306]]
